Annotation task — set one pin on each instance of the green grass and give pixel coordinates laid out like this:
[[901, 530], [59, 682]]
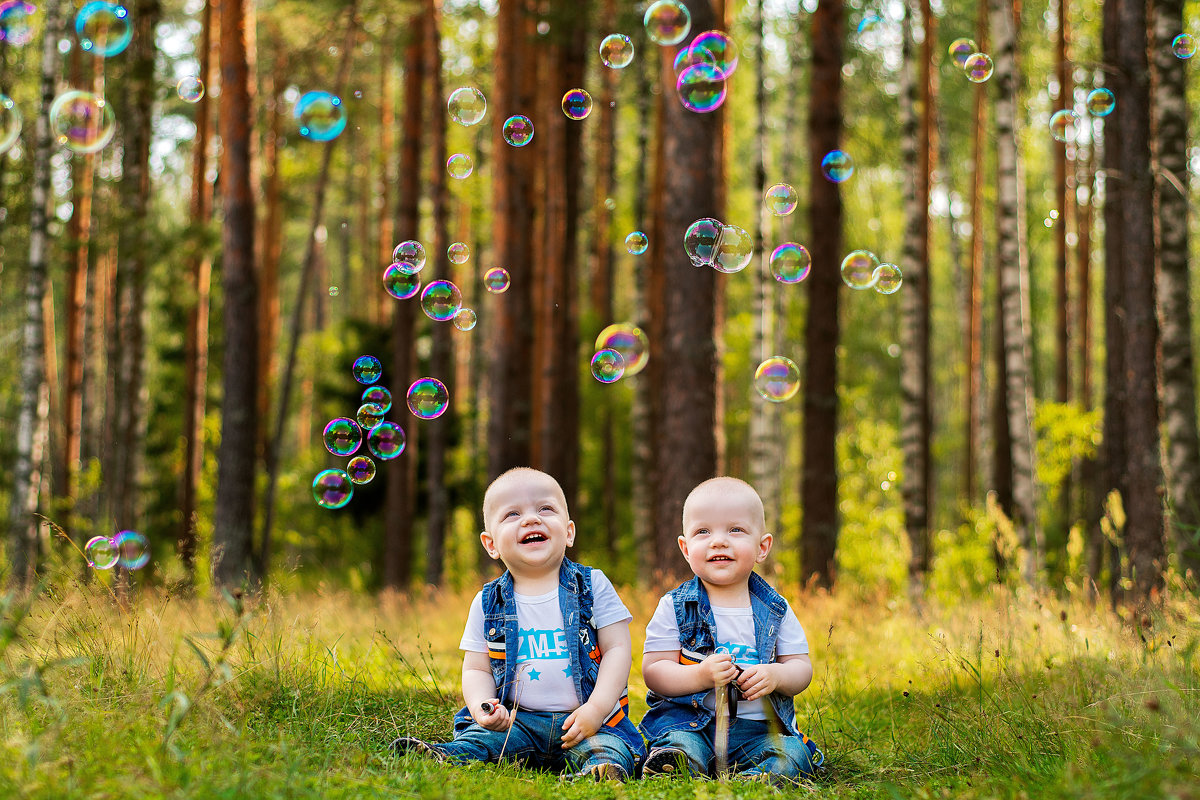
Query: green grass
[[295, 697]]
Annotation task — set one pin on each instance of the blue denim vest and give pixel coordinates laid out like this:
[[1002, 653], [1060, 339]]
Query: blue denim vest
[[501, 631], [698, 639]]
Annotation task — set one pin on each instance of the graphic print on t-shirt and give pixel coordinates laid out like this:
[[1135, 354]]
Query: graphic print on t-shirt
[[741, 653], [546, 648]]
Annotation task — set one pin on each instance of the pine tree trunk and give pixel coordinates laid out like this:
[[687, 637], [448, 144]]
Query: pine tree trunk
[[1014, 289], [819, 481], [1178, 367], [1063, 203], [271, 245], [974, 400]]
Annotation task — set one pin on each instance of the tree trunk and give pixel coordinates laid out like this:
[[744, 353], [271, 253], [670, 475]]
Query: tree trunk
[[1062, 202], [1014, 290], [233, 522], [1178, 367], [819, 480], [974, 367], [271, 245]]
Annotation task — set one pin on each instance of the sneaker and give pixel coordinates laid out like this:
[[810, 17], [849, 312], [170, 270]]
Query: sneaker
[[664, 761], [408, 744], [600, 772]]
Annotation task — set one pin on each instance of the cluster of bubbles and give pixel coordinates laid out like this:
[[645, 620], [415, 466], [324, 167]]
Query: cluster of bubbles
[[15, 27], [966, 55], [128, 550], [861, 269], [622, 350], [711, 243]]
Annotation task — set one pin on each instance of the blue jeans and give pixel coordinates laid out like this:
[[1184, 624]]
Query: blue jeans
[[535, 740], [752, 750]]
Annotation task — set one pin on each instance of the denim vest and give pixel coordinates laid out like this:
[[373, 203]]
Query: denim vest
[[501, 631], [698, 639]]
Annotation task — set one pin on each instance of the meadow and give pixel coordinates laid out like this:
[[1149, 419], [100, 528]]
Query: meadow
[[1008, 695]]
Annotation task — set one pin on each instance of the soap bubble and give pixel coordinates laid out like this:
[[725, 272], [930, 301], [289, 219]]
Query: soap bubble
[[495, 280], [781, 199], [379, 395], [369, 415], [667, 22], [400, 281], [630, 341], [1100, 102], [636, 243], [978, 67], [722, 48], [104, 28], [15, 27], [701, 239], [428, 398], [10, 123], [577, 104], [616, 50], [777, 379], [887, 278], [332, 488], [518, 130], [837, 166], [1063, 125], [133, 549], [960, 49], [342, 436], [465, 319], [458, 253], [386, 441], [869, 23], [410, 252], [467, 106], [441, 300], [361, 469], [101, 552], [459, 166], [607, 365], [334, 291], [687, 56], [858, 269], [701, 88], [367, 369], [1184, 46], [734, 250], [321, 116], [190, 89], [82, 121], [790, 263]]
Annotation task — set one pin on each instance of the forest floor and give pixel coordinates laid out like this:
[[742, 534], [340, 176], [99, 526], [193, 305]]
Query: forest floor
[[1006, 696]]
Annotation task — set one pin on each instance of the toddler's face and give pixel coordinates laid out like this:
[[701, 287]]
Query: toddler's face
[[528, 527], [724, 536]]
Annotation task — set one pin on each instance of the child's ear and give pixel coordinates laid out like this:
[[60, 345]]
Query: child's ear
[[570, 532], [683, 546], [764, 547], [489, 544]]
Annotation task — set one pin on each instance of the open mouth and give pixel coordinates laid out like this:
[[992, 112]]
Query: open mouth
[[716, 559], [533, 538]]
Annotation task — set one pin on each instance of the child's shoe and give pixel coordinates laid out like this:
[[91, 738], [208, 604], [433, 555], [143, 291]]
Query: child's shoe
[[408, 744], [664, 761], [600, 772]]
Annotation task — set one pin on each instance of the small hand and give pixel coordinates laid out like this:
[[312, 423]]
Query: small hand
[[758, 680], [582, 723], [497, 719], [719, 668]]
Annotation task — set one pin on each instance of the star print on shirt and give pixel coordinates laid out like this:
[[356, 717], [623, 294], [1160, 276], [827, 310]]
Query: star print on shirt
[[567, 671], [534, 674]]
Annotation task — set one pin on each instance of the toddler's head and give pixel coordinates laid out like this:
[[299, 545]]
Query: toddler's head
[[724, 531], [526, 522]]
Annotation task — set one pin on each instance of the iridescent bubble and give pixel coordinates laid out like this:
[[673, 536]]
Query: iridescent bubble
[[888, 278], [790, 263], [103, 28], [616, 50], [1184, 46], [15, 27], [334, 291], [459, 166], [734, 251], [190, 89], [630, 341], [367, 369], [133, 549], [101, 552], [342, 436], [960, 49], [82, 121], [777, 379], [386, 441], [1063, 125], [428, 398], [701, 88], [687, 56], [369, 415], [667, 22], [858, 269], [458, 253], [410, 252], [320, 115], [379, 395], [441, 300], [332, 488], [869, 23], [518, 130], [781, 199], [837, 166], [1100, 102], [10, 123], [465, 319], [400, 282], [978, 67], [701, 239], [577, 104], [608, 365], [495, 280], [466, 106], [361, 469], [722, 49], [636, 243]]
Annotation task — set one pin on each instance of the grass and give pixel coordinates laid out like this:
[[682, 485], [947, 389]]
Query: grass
[[1004, 696]]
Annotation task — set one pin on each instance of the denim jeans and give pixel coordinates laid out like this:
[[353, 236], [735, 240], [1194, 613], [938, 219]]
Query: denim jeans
[[535, 740], [752, 750]]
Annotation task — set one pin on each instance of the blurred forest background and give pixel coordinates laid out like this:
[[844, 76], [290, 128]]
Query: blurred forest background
[[180, 309]]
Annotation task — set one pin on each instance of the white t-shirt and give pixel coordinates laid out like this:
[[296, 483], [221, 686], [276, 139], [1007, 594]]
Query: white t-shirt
[[544, 681], [735, 635]]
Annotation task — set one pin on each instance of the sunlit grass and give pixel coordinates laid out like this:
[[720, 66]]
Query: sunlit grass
[[297, 696]]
